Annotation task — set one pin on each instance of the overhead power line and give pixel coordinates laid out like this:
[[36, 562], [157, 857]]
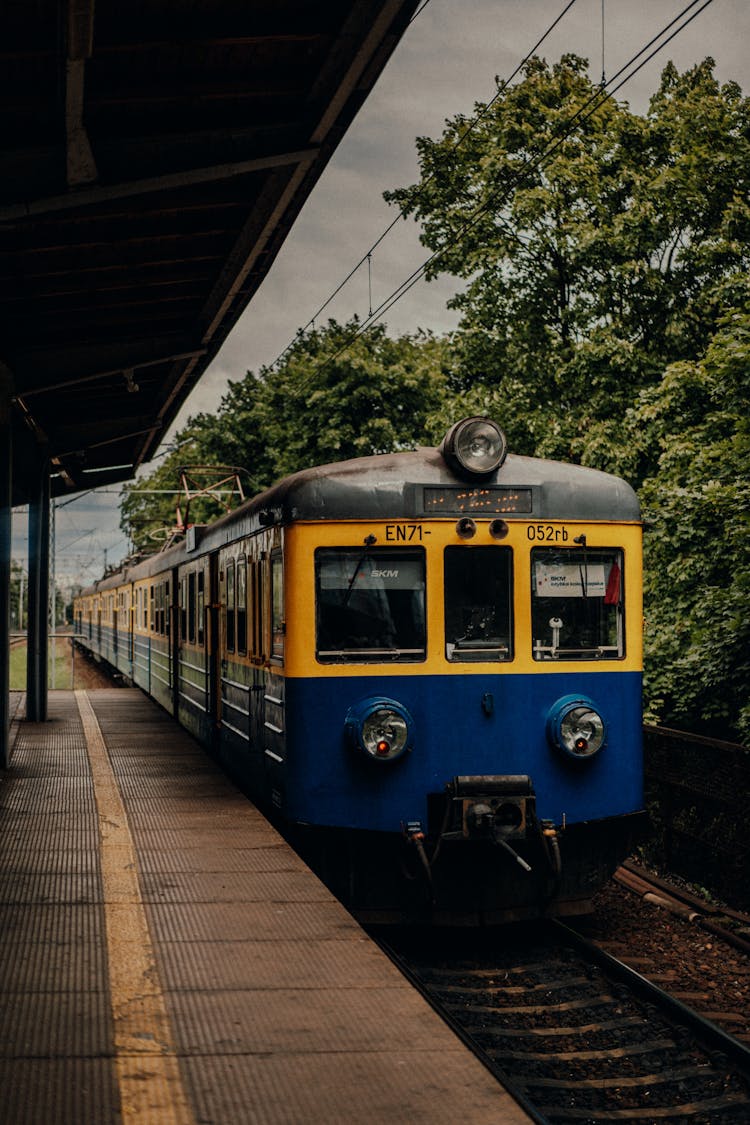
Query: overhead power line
[[588, 109], [367, 256]]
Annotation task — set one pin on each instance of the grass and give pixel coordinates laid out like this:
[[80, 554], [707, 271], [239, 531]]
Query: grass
[[63, 670]]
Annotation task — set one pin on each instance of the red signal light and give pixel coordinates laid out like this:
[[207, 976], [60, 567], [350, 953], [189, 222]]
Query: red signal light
[[383, 747]]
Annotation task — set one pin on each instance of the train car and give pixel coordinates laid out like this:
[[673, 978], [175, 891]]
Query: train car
[[427, 663]]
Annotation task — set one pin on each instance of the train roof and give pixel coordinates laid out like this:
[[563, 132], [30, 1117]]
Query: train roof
[[394, 486], [403, 486]]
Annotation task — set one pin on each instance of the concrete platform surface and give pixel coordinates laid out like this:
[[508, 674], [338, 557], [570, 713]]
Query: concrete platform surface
[[167, 958]]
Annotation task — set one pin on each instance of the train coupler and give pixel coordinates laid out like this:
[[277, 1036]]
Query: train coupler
[[496, 808]]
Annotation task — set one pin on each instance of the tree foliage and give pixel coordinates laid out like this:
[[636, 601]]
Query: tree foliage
[[596, 245], [697, 507]]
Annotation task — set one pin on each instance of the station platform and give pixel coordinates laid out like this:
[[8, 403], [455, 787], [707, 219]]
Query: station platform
[[167, 958]]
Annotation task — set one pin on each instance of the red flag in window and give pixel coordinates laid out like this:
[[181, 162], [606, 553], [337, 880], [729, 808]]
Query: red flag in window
[[612, 594]]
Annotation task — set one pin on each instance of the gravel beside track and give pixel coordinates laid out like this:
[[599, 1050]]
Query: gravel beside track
[[695, 966]]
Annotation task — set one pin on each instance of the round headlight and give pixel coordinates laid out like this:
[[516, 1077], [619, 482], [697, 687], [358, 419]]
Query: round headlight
[[381, 728], [476, 446], [575, 726]]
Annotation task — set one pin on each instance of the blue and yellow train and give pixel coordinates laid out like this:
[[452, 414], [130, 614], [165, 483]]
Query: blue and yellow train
[[428, 663]]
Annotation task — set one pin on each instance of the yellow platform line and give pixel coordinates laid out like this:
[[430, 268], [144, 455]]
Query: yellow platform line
[[148, 1073]]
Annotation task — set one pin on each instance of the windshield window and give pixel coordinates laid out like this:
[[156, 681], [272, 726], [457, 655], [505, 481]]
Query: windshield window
[[370, 604], [478, 603], [576, 604]]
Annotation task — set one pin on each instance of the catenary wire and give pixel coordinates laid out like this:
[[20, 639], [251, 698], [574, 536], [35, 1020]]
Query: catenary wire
[[459, 141], [597, 99]]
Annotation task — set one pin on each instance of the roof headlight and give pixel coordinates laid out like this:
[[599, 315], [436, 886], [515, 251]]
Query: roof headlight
[[380, 728], [576, 727], [476, 446]]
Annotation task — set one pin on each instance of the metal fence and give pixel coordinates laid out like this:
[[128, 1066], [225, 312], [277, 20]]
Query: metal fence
[[697, 792]]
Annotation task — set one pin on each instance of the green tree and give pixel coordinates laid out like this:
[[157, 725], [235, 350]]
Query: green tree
[[697, 507], [596, 245], [332, 397]]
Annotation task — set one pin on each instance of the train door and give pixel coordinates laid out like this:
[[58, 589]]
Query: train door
[[201, 576], [173, 635], [212, 628], [131, 630], [258, 654]]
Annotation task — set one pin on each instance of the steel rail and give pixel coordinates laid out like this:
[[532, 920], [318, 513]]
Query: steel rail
[[712, 1037]]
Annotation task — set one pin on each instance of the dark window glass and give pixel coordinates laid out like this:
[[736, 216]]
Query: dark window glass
[[478, 603], [277, 605], [257, 617], [241, 605], [201, 606], [230, 606], [577, 604], [191, 607], [183, 609], [370, 604]]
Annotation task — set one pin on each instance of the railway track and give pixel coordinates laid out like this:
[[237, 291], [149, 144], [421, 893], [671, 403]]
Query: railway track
[[576, 1034], [732, 926]]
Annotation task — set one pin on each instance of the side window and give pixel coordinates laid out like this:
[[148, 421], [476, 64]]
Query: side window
[[257, 614], [277, 605], [191, 607], [152, 615], [167, 606], [577, 610], [242, 604], [183, 608], [478, 603], [201, 606], [230, 634]]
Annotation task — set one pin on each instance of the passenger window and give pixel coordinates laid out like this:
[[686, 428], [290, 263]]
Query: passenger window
[[230, 605], [256, 615], [370, 605], [242, 605], [183, 609], [201, 605], [191, 607], [478, 603], [277, 606], [577, 608]]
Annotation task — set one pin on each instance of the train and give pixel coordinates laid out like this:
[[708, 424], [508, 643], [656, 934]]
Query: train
[[425, 665]]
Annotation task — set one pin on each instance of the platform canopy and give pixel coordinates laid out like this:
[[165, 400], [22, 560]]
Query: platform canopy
[[155, 154]]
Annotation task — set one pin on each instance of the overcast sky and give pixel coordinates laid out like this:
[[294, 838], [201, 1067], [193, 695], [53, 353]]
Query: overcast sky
[[446, 62]]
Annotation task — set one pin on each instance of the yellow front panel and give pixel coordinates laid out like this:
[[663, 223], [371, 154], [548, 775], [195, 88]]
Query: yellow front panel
[[302, 540]]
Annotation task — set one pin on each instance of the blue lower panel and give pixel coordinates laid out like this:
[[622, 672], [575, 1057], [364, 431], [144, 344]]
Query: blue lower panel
[[329, 783]]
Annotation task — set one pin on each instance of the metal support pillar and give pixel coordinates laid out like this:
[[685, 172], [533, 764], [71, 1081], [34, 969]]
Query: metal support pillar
[[6, 517], [36, 667]]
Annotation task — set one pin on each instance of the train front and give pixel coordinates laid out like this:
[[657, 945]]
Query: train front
[[463, 680]]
